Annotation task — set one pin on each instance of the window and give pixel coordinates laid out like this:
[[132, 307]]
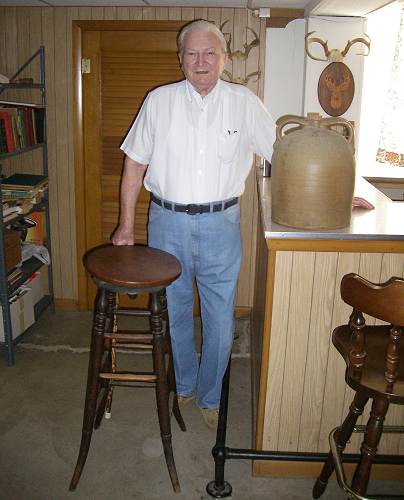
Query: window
[[391, 142], [381, 92]]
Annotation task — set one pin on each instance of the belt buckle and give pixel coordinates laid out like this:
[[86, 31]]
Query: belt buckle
[[192, 209]]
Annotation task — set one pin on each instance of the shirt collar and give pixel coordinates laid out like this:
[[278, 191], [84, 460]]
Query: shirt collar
[[192, 94]]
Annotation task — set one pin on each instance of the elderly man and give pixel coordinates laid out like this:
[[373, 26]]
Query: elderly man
[[192, 146]]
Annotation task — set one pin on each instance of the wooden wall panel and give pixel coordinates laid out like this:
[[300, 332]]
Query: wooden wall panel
[[334, 391], [22, 29], [307, 306], [48, 23], [278, 339], [301, 292], [318, 347], [64, 172]]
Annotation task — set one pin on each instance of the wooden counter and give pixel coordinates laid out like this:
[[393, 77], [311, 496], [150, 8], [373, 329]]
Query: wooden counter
[[298, 377]]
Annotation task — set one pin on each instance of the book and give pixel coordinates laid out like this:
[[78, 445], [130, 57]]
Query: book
[[34, 125], [14, 195], [27, 182], [3, 142], [10, 218], [14, 275], [39, 124], [13, 113], [7, 209], [22, 128], [8, 128], [28, 126]]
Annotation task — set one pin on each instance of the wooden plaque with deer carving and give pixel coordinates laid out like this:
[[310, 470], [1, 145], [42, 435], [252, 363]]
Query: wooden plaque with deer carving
[[336, 88]]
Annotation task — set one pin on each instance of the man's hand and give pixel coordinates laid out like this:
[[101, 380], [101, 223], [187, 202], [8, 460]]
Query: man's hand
[[122, 236], [361, 202]]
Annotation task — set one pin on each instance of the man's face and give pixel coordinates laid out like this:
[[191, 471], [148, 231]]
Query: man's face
[[202, 60]]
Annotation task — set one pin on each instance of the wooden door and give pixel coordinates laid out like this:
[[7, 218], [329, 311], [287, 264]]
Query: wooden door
[[124, 66]]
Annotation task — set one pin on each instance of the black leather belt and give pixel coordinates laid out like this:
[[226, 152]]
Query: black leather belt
[[193, 209]]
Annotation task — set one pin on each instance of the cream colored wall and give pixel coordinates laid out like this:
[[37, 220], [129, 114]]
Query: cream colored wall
[[23, 29]]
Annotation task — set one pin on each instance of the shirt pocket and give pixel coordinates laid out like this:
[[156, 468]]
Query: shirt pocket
[[229, 144]]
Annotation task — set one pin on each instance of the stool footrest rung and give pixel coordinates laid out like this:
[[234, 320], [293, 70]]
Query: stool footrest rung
[[133, 312], [128, 335], [129, 377], [131, 384], [132, 346], [341, 478], [392, 429]]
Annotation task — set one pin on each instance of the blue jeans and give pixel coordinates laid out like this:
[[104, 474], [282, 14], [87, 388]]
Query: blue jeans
[[209, 248]]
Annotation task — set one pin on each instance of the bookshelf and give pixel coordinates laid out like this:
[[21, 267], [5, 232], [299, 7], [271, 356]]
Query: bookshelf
[[27, 135]]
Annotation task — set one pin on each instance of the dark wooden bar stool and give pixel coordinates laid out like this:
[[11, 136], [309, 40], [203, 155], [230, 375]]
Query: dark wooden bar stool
[[129, 270], [374, 360]]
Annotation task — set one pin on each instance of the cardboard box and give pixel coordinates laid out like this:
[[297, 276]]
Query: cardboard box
[[13, 248], [37, 282], [22, 314]]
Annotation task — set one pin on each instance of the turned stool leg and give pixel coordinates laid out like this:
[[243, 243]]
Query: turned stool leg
[[370, 442], [341, 436], [94, 365], [172, 386], [162, 393], [108, 362]]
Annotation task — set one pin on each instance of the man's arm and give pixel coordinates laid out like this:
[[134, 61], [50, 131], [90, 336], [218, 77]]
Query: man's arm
[[132, 181]]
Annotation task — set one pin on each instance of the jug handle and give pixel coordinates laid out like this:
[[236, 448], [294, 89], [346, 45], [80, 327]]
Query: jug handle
[[329, 122], [287, 120]]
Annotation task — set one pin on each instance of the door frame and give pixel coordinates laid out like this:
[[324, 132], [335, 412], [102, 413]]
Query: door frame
[[78, 29]]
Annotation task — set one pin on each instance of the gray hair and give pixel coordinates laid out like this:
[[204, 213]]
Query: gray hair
[[200, 25]]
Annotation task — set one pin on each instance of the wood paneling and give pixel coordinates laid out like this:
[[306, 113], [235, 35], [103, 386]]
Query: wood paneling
[[306, 394], [22, 29]]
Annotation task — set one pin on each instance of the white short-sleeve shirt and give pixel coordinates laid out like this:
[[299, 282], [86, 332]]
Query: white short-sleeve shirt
[[198, 149]]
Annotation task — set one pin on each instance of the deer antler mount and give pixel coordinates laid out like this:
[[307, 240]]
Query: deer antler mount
[[336, 87], [240, 54]]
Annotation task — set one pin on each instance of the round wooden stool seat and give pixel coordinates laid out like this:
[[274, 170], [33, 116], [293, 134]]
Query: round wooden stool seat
[[133, 266]]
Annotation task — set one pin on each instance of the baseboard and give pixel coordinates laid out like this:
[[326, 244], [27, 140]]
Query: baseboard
[[279, 468], [66, 305]]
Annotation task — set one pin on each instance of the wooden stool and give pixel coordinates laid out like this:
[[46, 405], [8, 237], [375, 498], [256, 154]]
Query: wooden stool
[[129, 270], [375, 370]]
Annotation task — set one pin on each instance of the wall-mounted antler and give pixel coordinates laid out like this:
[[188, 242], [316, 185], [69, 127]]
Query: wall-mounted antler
[[238, 54], [334, 55], [365, 41], [243, 81]]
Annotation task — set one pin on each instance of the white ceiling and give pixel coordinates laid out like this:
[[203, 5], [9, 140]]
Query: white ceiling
[[313, 7]]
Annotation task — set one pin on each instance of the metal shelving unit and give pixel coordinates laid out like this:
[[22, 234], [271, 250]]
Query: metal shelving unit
[[33, 264]]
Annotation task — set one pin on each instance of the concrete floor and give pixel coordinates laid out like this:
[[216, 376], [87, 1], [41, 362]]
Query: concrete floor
[[40, 424]]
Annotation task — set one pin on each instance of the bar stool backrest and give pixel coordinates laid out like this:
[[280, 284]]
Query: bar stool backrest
[[383, 301]]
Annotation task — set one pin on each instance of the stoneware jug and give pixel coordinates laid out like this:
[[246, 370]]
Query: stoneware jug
[[313, 173]]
